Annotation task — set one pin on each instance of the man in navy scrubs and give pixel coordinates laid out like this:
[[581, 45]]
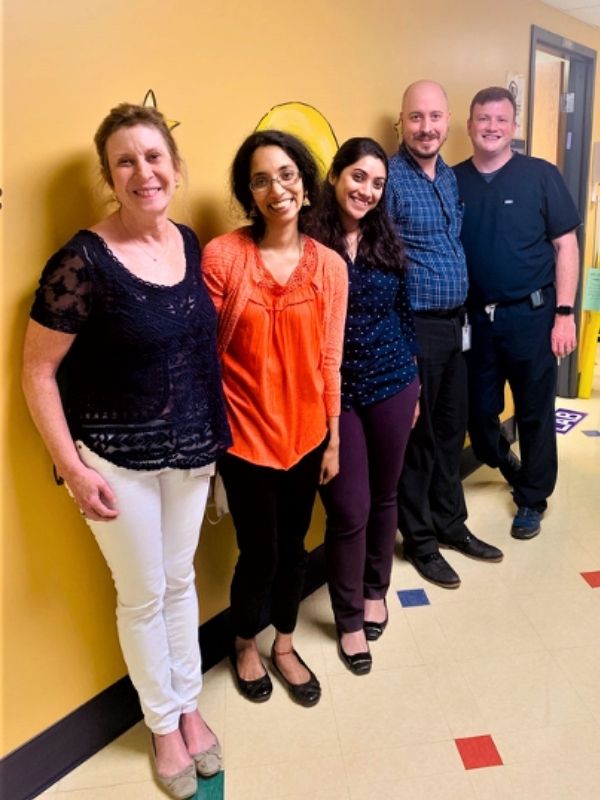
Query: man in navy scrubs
[[523, 262]]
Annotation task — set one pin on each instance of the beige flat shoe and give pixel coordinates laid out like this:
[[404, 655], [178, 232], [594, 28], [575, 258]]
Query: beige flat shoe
[[209, 762], [181, 786]]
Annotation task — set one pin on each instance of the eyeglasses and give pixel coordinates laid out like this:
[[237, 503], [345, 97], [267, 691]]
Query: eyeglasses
[[262, 183]]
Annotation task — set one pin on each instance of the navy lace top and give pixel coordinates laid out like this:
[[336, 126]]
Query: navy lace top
[[141, 384], [379, 342]]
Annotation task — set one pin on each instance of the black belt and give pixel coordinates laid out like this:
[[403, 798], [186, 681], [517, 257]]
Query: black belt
[[440, 313], [513, 302]]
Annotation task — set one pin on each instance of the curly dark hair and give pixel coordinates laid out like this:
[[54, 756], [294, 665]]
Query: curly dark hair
[[379, 244], [300, 155]]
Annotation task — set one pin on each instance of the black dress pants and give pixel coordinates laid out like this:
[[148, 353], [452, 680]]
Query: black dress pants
[[431, 502], [515, 347], [271, 511]]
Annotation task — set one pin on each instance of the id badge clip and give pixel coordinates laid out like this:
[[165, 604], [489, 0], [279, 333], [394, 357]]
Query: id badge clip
[[466, 334]]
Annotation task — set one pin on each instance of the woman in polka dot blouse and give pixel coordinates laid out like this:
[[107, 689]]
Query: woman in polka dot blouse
[[380, 389]]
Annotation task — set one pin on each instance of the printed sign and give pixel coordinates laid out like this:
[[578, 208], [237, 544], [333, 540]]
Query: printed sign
[[591, 294], [566, 419]]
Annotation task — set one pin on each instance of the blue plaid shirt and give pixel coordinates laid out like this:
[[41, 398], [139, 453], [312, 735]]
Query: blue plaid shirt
[[428, 217]]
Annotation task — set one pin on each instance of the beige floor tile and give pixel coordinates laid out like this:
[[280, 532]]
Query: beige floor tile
[[564, 619], [538, 780], [387, 764], [495, 784], [518, 692], [340, 793], [397, 646], [546, 564], [493, 625], [581, 665], [146, 790], [126, 760], [457, 701], [577, 740], [435, 787], [211, 702], [427, 632], [395, 707], [316, 777]]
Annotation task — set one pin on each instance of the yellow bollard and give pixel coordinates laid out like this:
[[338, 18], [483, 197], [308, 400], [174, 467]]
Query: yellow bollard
[[587, 352]]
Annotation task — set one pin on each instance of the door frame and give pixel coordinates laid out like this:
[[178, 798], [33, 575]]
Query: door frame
[[586, 58]]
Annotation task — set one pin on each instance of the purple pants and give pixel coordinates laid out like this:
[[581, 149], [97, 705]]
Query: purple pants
[[361, 504]]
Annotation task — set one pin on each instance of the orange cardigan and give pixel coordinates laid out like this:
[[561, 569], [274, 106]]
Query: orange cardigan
[[231, 270]]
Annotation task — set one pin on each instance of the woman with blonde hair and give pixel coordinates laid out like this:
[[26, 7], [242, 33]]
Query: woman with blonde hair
[[122, 312]]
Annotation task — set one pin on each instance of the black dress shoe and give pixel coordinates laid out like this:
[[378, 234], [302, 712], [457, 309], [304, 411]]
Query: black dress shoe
[[435, 569], [373, 630], [358, 663], [258, 690], [305, 694], [471, 546]]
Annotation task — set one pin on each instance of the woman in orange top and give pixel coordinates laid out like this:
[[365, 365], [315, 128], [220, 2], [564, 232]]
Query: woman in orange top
[[281, 299]]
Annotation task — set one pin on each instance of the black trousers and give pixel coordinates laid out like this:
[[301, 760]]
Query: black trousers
[[271, 510], [515, 347], [431, 502]]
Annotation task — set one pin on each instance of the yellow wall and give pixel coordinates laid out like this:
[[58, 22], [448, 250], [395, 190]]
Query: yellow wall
[[216, 66]]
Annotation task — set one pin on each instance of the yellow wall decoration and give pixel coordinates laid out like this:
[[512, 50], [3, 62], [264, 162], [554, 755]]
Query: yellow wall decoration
[[308, 124], [150, 102]]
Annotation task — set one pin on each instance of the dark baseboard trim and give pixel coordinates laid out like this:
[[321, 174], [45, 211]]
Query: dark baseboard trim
[[36, 765]]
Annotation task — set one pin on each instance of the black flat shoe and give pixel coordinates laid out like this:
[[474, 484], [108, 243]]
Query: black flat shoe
[[358, 663], [373, 630], [258, 690], [305, 694]]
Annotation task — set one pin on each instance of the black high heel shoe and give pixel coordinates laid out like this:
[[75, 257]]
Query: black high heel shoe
[[357, 663], [305, 694], [258, 690], [373, 630]]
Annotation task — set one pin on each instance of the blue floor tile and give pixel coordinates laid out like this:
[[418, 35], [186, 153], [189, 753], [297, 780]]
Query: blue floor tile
[[413, 597]]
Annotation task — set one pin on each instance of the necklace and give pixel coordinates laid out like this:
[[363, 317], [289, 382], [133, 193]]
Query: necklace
[[155, 258], [351, 240]]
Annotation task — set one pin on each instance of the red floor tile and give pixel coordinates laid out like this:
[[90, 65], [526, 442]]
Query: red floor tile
[[478, 751], [593, 578]]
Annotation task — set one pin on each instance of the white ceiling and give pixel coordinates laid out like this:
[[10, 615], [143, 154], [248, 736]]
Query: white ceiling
[[585, 10]]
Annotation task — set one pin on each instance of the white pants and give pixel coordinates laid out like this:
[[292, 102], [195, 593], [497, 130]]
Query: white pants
[[150, 550]]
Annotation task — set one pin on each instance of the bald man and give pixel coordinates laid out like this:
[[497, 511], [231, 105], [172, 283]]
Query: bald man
[[422, 200]]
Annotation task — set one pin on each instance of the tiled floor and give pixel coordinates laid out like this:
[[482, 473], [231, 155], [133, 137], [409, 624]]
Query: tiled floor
[[504, 671]]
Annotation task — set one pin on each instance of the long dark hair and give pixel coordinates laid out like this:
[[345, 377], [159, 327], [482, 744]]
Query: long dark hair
[[379, 244], [300, 155]]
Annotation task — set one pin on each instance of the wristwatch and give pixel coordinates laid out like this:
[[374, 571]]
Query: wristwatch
[[565, 311]]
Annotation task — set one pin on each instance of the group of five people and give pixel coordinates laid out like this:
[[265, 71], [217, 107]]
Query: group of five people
[[321, 347]]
